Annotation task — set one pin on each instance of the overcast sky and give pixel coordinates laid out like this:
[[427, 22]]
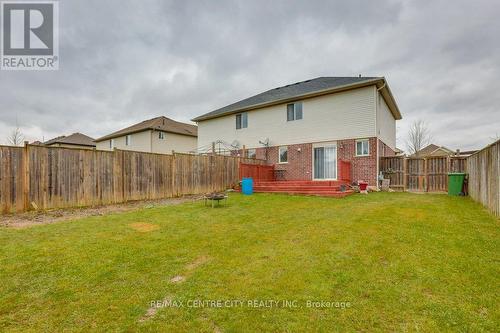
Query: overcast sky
[[125, 61]]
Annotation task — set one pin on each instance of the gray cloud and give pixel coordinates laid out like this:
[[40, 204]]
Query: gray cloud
[[125, 61]]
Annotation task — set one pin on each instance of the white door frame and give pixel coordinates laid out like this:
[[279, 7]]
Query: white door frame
[[325, 144]]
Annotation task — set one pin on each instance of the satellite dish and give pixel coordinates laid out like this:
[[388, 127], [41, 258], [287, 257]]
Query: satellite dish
[[235, 144], [265, 142]]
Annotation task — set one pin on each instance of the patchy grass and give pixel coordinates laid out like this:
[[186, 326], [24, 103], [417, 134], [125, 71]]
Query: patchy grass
[[399, 262]]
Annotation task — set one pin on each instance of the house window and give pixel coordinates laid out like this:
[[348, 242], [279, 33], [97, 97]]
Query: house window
[[294, 111], [251, 153], [283, 154], [161, 135], [111, 143], [241, 120], [362, 147], [128, 140]]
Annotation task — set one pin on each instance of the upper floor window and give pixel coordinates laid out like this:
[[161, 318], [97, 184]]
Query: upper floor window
[[362, 147], [111, 143], [294, 111], [283, 154], [251, 153], [161, 135], [128, 140], [241, 120]]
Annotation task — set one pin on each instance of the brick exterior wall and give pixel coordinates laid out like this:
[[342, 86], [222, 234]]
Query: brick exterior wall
[[362, 167], [384, 150], [299, 166]]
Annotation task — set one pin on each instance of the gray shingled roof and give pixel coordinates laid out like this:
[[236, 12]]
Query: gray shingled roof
[[287, 92], [73, 139], [159, 124]]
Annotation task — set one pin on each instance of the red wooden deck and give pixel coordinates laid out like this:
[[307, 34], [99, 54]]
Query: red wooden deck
[[305, 187], [264, 182]]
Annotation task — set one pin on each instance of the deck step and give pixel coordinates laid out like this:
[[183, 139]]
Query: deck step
[[294, 183], [303, 187], [296, 188], [313, 193]]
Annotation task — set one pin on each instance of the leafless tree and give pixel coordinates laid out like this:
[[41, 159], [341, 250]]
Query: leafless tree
[[16, 137], [419, 136], [495, 138]]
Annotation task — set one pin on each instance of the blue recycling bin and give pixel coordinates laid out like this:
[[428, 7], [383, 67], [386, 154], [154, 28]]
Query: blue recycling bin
[[247, 186]]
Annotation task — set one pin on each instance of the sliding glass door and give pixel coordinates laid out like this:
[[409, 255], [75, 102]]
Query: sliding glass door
[[325, 162]]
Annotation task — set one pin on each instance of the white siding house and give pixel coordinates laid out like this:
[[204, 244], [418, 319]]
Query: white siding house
[[307, 127], [345, 115], [158, 135]]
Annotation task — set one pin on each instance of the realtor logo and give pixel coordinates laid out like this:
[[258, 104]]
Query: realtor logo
[[29, 35]]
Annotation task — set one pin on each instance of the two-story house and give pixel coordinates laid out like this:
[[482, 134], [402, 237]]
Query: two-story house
[[157, 135], [75, 140], [307, 127]]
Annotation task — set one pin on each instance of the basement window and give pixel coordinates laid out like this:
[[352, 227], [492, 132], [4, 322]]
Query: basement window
[[294, 111], [362, 147], [283, 154], [241, 120]]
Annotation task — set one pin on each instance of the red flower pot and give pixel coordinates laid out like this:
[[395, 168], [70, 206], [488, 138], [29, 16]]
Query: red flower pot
[[362, 186]]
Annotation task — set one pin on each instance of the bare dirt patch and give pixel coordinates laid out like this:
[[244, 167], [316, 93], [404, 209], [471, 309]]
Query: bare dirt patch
[[144, 227], [34, 218], [178, 279], [190, 268], [151, 312], [198, 262]]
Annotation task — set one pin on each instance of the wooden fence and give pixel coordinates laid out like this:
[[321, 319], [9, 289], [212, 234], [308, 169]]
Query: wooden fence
[[46, 177], [484, 177], [420, 174], [257, 172]]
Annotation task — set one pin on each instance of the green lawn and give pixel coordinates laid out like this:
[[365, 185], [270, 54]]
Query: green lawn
[[399, 262]]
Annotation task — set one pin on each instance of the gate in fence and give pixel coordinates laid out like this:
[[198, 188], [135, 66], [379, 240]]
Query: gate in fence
[[420, 174]]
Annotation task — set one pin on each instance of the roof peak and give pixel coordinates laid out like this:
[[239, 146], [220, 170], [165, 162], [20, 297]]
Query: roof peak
[[331, 77], [304, 89], [161, 123]]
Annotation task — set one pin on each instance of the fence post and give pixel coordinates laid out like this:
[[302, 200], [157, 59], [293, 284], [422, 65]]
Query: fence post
[[172, 170], [405, 173], [26, 176], [426, 177], [122, 157]]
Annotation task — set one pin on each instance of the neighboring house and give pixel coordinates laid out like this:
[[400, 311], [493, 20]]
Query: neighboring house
[[157, 135], [75, 140], [433, 150], [307, 127], [465, 153], [399, 152]]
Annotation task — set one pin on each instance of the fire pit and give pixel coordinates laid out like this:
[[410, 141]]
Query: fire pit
[[216, 197]]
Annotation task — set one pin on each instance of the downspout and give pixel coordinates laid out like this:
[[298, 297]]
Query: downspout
[[377, 129]]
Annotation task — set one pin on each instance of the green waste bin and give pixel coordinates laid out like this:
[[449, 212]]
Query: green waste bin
[[455, 183]]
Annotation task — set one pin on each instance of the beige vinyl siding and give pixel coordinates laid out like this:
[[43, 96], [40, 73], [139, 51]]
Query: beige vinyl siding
[[171, 141], [344, 115], [140, 141], [386, 124], [148, 141]]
